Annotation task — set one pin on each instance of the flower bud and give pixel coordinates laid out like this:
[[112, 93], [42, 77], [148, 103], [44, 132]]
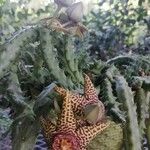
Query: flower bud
[[94, 113], [64, 3], [75, 12]]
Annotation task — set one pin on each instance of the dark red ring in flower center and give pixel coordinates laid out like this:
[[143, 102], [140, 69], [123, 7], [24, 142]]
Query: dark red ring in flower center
[[63, 141]]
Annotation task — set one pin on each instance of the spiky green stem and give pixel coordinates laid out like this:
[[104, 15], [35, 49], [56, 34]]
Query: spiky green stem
[[125, 95], [12, 48]]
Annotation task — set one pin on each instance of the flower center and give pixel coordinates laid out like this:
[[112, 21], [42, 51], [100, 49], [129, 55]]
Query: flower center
[[65, 144], [65, 141]]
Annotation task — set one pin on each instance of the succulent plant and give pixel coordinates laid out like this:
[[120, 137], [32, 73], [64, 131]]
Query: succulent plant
[[36, 57]]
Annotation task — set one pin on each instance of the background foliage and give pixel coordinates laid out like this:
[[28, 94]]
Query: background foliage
[[120, 28]]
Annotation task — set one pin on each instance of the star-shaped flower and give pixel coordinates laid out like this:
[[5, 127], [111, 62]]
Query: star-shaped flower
[[65, 135], [81, 102], [76, 29]]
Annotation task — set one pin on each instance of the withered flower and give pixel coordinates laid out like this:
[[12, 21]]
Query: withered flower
[[64, 3], [75, 12]]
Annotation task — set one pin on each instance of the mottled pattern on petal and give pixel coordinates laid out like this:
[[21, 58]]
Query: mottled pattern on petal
[[79, 102], [72, 131], [87, 133], [48, 128], [67, 116]]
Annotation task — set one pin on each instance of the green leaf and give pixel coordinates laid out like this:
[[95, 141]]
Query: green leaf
[[140, 2]]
